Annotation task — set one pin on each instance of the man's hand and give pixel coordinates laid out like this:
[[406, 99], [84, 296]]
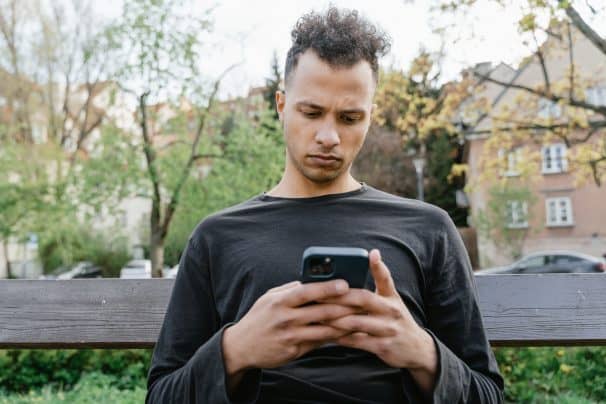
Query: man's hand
[[387, 329], [277, 329]]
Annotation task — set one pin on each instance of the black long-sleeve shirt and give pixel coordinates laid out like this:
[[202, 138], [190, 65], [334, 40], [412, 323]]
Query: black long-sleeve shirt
[[235, 256]]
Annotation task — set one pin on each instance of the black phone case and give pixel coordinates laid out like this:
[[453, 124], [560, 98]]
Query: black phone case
[[349, 263]]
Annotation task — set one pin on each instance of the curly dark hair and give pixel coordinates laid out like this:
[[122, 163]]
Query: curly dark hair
[[341, 38]]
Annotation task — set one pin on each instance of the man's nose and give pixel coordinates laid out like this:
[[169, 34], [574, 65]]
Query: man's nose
[[328, 136]]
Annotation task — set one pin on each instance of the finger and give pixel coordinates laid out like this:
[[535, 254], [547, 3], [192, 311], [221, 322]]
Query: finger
[[317, 333], [318, 313], [312, 292], [371, 325], [285, 286], [359, 340], [380, 273], [364, 300]]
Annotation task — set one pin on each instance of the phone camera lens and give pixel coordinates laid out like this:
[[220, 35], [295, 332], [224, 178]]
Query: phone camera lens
[[321, 267]]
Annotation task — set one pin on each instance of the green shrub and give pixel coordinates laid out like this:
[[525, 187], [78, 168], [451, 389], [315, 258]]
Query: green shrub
[[75, 242], [23, 370], [533, 374], [93, 388]]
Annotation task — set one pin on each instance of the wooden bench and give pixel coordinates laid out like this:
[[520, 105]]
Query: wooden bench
[[518, 310]]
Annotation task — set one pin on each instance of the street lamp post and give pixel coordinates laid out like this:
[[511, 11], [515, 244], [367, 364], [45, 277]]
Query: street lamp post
[[419, 163]]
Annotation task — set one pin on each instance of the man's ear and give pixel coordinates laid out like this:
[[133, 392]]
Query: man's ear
[[280, 102]]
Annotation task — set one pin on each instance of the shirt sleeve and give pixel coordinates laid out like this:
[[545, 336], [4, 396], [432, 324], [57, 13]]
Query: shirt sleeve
[[187, 364], [468, 371]]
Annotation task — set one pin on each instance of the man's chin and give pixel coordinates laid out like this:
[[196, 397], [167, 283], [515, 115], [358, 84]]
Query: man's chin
[[322, 178]]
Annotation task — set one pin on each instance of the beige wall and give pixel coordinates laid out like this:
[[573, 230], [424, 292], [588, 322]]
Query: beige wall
[[587, 234]]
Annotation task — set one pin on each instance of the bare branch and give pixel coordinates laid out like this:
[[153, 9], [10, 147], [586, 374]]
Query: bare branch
[[204, 156], [593, 125], [150, 155], [174, 200], [543, 65], [582, 26], [172, 143], [601, 109], [594, 170], [571, 62]]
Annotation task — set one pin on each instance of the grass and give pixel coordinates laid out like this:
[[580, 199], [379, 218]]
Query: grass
[[92, 388]]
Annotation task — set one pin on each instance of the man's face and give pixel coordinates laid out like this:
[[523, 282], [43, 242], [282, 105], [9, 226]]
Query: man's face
[[326, 113]]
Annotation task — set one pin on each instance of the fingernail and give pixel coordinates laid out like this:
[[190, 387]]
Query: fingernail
[[341, 286]]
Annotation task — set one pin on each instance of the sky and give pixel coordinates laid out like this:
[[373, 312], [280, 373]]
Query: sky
[[247, 32]]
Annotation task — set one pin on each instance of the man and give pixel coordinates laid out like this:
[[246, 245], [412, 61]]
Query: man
[[240, 327]]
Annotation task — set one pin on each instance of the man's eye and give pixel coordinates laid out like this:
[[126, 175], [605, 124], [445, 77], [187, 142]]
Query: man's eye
[[350, 119], [311, 114]]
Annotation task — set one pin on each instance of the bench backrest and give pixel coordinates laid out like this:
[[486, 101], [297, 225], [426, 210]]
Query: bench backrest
[[551, 309]]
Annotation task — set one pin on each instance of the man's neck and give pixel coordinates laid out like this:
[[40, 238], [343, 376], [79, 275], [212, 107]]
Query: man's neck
[[307, 189]]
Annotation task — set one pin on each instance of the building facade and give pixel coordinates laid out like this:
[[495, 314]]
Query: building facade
[[562, 209]]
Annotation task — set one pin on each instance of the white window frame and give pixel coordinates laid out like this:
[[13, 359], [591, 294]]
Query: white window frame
[[553, 165], [517, 214], [548, 109], [558, 212], [596, 95], [513, 159]]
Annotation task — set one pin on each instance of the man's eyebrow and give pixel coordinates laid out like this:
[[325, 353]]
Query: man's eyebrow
[[353, 111], [316, 106], [308, 104]]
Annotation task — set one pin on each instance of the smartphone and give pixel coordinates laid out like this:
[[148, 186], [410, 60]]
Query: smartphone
[[326, 263]]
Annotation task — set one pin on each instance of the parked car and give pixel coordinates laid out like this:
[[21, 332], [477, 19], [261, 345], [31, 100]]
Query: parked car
[[82, 269], [551, 262], [137, 269]]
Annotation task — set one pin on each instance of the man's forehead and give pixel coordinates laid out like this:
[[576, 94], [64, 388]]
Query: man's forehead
[[315, 83], [310, 64]]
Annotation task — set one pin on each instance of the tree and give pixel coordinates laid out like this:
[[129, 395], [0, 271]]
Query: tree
[[384, 163], [22, 192], [158, 56], [506, 216], [273, 84], [422, 112], [573, 116], [252, 163], [57, 152]]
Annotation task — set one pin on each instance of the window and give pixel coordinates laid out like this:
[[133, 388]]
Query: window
[[512, 158], [596, 95], [567, 259], [548, 109], [554, 158], [517, 214], [533, 262], [559, 211]]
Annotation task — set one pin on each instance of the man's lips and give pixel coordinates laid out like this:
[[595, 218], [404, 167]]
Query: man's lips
[[324, 156], [323, 160]]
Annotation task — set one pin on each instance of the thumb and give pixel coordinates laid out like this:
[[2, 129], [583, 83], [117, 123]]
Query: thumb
[[380, 273]]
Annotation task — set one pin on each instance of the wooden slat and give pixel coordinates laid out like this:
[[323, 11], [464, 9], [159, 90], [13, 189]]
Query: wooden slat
[[549, 309], [79, 313], [554, 309]]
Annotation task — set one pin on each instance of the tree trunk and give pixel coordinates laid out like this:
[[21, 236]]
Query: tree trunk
[[156, 253], [7, 261]]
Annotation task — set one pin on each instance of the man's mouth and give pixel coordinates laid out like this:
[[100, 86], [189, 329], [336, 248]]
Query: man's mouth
[[324, 160]]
